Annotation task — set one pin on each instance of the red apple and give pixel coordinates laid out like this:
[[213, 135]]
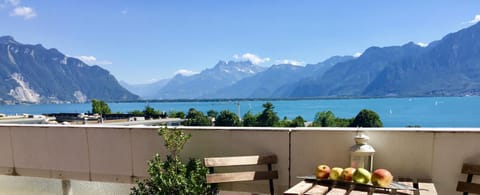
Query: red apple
[[382, 178], [322, 171], [347, 173]]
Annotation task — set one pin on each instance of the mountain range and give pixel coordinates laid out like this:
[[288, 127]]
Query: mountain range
[[223, 74], [268, 83], [34, 74], [447, 67]]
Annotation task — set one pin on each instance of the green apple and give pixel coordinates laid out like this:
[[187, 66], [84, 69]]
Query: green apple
[[347, 173], [382, 178], [361, 175], [335, 173]]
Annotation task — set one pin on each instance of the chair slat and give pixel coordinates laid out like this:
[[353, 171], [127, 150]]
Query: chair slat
[[468, 187], [471, 169], [241, 176], [240, 160]]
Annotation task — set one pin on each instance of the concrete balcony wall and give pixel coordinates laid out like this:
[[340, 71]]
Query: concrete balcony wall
[[119, 154]]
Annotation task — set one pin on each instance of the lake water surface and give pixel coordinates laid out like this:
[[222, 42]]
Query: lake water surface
[[394, 112]]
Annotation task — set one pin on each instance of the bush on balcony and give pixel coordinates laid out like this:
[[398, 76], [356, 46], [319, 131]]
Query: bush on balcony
[[172, 176]]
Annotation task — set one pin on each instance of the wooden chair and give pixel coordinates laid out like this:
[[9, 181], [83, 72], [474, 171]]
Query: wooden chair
[[269, 174], [469, 187]]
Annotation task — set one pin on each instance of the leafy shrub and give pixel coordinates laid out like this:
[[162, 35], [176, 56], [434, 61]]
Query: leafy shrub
[[100, 107], [249, 120], [227, 118], [367, 118], [268, 118], [176, 114], [172, 176], [196, 118]]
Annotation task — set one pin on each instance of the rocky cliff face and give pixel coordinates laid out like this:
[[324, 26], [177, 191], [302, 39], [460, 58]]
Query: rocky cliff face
[[34, 74]]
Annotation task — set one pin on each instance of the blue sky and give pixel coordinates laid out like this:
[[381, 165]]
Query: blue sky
[[146, 40]]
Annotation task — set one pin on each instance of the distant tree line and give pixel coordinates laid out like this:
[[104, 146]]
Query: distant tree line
[[365, 118], [102, 108], [267, 118]]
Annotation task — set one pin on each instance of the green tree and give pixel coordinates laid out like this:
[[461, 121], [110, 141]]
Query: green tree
[[343, 122], [100, 107], [212, 113], [285, 122], [325, 119], [196, 118], [136, 113], [227, 118], [150, 111], [268, 118], [249, 120], [172, 176], [298, 122], [176, 114], [367, 118]]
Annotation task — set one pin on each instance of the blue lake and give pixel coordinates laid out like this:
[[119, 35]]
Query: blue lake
[[394, 112]]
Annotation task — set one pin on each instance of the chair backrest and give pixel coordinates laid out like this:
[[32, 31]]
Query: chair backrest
[[468, 186], [268, 160]]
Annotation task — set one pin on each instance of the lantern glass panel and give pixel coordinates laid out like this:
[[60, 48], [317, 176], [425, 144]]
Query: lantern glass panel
[[361, 154]]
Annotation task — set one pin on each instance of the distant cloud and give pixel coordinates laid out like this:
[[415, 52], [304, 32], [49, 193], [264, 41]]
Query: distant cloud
[[185, 72], [292, 62], [92, 60], [475, 19], [422, 44], [124, 12], [357, 54], [153, 80], [252, 58], [18, 10], [12, 2], [25, 12]]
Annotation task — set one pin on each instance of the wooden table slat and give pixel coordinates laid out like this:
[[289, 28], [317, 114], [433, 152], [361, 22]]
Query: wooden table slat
[[309, 188], [317, 189], [429, 189], [406, 191], [337, 191], [358, 193], [299, 188]]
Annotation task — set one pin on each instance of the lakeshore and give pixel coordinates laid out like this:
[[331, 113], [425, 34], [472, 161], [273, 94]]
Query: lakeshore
[[394, 112]]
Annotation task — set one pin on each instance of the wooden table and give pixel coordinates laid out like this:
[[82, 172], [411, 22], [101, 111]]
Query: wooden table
[[309, 187]]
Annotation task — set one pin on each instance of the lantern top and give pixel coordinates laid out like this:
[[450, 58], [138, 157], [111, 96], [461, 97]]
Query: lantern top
[[361, 139], [361, 145]]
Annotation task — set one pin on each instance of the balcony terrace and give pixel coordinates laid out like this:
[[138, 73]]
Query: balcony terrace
[[71, 155]]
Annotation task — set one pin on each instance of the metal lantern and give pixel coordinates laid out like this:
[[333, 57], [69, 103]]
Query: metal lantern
[[361, 154]]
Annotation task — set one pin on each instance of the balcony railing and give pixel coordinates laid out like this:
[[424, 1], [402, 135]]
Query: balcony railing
[[119, 154]]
